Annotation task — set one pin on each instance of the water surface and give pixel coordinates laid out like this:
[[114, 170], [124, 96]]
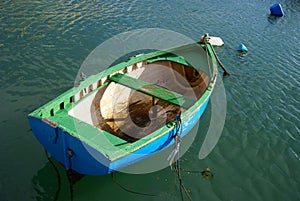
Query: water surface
[[43, 44]]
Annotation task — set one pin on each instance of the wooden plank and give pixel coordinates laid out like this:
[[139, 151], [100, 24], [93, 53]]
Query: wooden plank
[[153, 90]]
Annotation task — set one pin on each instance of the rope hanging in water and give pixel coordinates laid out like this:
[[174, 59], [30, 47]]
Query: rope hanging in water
[[73, 177], [206, 174], [175, 153], [174, 158], [57, 174], [129, 190]]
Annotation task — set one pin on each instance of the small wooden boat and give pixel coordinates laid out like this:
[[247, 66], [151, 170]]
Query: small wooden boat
[[129, 111]]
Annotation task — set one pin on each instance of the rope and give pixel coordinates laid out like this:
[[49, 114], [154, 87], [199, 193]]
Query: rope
[[175, 153], [182, 187], [57, 174], [129, 190], [73, 177], [174, 158], [206, 174], [225, 72], [71, 189], [70, 176]]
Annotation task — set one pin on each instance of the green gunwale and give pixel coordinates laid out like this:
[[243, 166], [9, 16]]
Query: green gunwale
[[109, 145]]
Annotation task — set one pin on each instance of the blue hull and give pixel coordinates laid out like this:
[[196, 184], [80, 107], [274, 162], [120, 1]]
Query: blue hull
[[84, 159]]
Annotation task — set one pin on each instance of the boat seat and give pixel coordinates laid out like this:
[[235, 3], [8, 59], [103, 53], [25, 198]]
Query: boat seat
[[153, 90]]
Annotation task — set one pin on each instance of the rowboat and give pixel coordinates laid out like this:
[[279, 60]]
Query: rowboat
[[129, 111]]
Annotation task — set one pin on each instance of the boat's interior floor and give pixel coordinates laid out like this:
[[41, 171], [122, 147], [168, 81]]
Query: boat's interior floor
[[139, 119], [130, 114]]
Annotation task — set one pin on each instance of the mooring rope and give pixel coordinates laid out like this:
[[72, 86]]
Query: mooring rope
[[71, 189], [69, 174], [129, 190], [174, 155], [225, 72], [206, 174], [57, 174], [182, 187], [174, 158]]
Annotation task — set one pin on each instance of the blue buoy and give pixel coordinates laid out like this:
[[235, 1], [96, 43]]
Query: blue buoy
[[242, 48], [276, 9]]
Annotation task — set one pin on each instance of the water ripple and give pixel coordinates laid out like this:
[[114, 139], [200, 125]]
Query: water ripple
[[43, 44]]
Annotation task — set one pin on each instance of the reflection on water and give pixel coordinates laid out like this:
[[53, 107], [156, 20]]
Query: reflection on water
[[43, 44], [45, 188]]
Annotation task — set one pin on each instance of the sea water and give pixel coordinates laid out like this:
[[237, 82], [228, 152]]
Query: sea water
[[43, 44]]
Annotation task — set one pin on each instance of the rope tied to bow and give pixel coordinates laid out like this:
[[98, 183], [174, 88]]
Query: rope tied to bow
[[174, 155]]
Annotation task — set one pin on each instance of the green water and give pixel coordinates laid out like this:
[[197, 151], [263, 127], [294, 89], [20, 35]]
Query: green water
[[43, 44]]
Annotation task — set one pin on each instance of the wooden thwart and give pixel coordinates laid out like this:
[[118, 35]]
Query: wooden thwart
[[153, 90]]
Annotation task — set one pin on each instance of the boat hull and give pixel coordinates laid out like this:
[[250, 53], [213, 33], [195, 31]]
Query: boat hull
[[75, 154], [91, 134]]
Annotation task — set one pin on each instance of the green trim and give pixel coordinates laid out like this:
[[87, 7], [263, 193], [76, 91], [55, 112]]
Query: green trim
[[153, 90], [169, 57], [104, 142]]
